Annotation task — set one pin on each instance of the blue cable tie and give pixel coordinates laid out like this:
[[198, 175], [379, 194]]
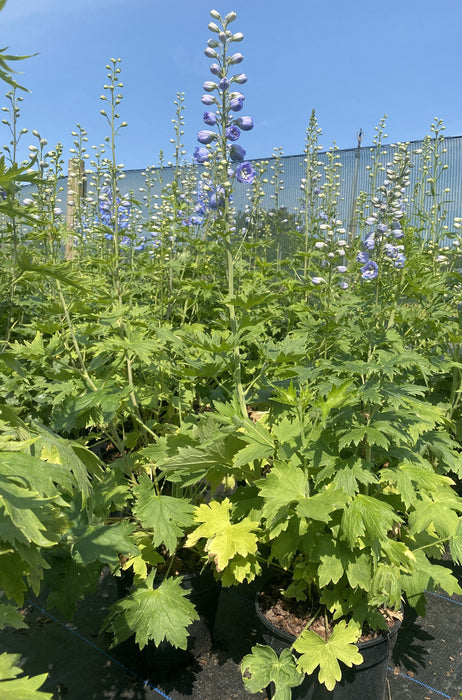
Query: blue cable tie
[[101, 651]]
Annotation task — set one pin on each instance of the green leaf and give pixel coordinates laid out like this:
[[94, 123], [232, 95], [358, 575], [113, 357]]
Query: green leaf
[[103, 543], [25, 513], [441, 513], [340, 647], [12, 576], [9, 615], [371, 435], [69, 582], [153, 614], [456, 544], [241, 569], [283, 485], [359, 572], [165, 515], [321, 505], [24, 688], [368, 516], [263, 666]]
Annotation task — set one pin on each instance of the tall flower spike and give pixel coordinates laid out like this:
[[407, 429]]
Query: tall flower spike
[[221, 150]]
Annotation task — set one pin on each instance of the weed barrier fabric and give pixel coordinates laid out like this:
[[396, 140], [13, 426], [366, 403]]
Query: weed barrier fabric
[[426, 663]]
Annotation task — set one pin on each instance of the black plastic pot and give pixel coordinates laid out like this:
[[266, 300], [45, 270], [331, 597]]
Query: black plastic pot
[[203, 593], [364, 682]]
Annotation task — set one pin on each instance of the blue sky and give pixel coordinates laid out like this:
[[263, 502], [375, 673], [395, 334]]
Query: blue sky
[[351, 61]]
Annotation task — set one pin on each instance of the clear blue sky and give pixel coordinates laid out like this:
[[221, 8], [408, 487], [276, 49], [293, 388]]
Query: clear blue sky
[[352, 61]]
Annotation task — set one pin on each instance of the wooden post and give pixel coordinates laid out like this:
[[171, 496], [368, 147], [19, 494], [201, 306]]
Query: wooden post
[[75, 193]]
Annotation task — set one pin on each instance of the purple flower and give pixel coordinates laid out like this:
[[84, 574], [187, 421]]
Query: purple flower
[[244, 123], [341, 268], [369, 243], [370, 270], [224, 83], [236, 153], [201, 155], [208, 100], [398, 233], [390, 250], [318, 280], [240, 79], [236, 104], [235, 58], [206, 136], [210, 53], [382, 228], [245, 173], [209, 86], [210, 118], [217, 199], [232, 133], [400, 260], [363, 257], [215, 69]]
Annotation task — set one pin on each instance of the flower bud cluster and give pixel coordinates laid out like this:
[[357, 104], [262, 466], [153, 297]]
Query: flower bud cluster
[[388, 210], [219, 142], [334, 249]]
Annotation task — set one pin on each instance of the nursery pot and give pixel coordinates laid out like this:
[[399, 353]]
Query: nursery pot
[[366, 681], [203, 592]]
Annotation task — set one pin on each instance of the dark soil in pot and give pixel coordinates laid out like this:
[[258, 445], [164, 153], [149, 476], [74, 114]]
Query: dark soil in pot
[[282, 620]]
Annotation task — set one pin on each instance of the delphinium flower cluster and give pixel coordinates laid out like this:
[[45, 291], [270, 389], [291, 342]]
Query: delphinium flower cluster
[[381, 242], [107, 211], [219, 150]]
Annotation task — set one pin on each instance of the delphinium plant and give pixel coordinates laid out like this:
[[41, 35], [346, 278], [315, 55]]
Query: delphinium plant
[[347, 478]]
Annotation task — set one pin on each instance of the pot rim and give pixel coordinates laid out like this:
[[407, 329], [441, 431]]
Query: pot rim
[[381, 635]]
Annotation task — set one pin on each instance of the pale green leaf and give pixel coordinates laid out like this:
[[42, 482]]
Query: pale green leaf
[[224, 538], [340, 647], [19, 688], [263, 666]]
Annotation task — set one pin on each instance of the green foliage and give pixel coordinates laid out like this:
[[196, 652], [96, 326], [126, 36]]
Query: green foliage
[[153, 613], [15, 685], [315, 651], [248, 397], [263, 666]]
